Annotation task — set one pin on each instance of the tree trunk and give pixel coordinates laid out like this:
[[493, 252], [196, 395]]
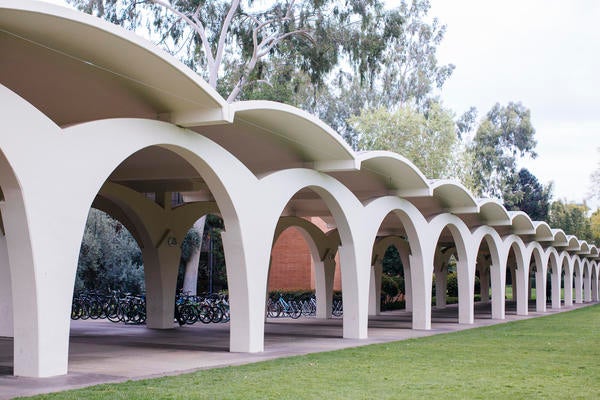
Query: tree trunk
[[190, 280]]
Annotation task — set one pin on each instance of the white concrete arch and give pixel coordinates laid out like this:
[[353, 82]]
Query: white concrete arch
[[466, 262], [312, 138], [587, 280], [420, 259], [519, 270], [157, 227], [594, 275], [521, 223], [497, 267], [348, 214], [567, 263], [555, 268], [493, 213], [578, 278], [537, 254], [454, 197], [406, 179]]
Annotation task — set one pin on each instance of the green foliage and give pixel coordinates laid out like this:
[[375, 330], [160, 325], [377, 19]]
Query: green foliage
[[504, 136], [571, 218], [523, 192], [392, 263], [428, 139], [109, 258]]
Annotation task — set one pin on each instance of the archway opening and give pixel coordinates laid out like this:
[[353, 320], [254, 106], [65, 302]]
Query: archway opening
[[451, 270], [306, 273], [391, 292], [156, 194]]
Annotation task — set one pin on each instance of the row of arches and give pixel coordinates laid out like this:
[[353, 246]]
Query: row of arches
[[102, 163]]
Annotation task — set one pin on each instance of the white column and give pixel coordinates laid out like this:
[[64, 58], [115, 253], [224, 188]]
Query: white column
[[540, 289], [555, 282], [594, 286], [375, 288], [441, 285], [190, 278], [498, 278], [587, 285], [484, 284], [568, 288], [161, 266], [408, 295], [421, 274], [522, 275], [578, 287], [6, 306], [324, 275], [466, 287]]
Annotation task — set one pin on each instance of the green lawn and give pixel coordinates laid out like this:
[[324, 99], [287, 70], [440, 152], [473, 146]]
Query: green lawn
[[556, 356]]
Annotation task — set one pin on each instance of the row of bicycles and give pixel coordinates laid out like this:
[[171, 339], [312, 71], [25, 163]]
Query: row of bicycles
[[115, 306], [295, 308], [189, 309]]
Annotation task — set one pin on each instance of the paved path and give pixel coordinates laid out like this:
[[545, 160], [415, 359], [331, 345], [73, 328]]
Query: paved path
[[101, 351]]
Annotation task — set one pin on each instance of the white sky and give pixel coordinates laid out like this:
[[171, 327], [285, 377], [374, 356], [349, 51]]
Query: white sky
[[544, 53]]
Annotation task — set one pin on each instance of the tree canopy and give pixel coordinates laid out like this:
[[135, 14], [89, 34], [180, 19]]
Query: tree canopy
[[572, 219], [504, 135], [524, 192], [428, 140]]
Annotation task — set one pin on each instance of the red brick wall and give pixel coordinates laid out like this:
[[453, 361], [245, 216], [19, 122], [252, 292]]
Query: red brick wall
[[291, 262]]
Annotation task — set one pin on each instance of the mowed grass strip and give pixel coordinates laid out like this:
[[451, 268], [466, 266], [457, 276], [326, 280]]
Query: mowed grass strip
[[556, 356]]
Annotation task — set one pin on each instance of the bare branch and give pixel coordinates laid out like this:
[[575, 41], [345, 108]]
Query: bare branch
[[224, 29], [196, 25]]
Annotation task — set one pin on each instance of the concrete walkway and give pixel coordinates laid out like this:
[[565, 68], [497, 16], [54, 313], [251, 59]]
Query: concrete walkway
[[102, 352]]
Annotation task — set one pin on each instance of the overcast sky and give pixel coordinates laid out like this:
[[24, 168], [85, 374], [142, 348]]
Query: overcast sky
[[545, 54]]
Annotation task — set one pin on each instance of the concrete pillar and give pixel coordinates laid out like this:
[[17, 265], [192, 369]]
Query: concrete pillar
[[568, 288], [555, 282], [375, 288], [408, 287], [421, 274], [466, 287], [498, 278], [355, 262], [522, 275], [578, 287], [6, 305], [161, 265], [587, 285], [441, 285], [484, 283], [594, 286], [324, 276], [540, 289]]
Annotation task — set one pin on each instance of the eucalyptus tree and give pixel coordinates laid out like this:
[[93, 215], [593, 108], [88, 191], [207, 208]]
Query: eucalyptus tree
[[231, 43], [503, 137], [428, 139]]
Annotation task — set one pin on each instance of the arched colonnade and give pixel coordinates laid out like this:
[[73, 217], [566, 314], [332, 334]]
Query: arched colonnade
[[262, 166]]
